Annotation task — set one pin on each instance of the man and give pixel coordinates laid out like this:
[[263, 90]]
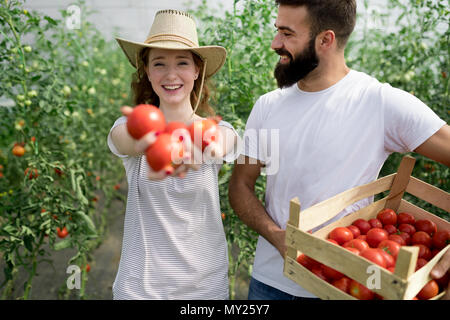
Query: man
[[335, 128]]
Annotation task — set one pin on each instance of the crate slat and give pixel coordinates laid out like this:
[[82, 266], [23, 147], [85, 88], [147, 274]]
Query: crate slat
[[296, 272], [320, 213], [429, 193], [400, 182]]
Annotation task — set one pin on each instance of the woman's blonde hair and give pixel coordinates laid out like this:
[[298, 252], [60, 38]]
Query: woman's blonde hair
[[144, 93]]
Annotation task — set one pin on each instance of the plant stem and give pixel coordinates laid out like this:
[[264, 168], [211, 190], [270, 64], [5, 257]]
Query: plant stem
[[33, 268]]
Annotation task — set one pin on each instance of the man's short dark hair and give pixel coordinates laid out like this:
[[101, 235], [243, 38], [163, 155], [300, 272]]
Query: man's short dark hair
[[336, 15]]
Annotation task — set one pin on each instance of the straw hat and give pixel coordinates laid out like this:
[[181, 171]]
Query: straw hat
[[173, 29]]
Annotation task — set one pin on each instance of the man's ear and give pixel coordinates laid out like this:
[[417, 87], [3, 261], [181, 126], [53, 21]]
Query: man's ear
[[326, 39]]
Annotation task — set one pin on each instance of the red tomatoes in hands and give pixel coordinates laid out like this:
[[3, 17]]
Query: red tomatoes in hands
[[144, 119], [203, 132]]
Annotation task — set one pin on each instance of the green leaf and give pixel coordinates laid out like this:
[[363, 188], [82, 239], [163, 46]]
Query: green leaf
[[63, 244], [28, 242], [90, 226]]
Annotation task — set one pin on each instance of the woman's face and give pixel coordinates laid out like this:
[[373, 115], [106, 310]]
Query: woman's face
[[172, 74]]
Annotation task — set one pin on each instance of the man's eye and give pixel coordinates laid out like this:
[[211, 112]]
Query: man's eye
[[158, 64]]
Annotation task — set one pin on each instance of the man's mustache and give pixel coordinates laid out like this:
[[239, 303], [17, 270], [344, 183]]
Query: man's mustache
[[283, 52]]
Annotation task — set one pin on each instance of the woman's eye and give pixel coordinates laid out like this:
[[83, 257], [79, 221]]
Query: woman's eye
[[157, 64]]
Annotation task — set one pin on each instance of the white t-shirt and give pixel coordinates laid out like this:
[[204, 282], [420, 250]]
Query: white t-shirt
[[329, 141], [174, 245]]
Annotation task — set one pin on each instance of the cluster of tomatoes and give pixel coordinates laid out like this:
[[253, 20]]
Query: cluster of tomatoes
[[168, 151], [379, 240]]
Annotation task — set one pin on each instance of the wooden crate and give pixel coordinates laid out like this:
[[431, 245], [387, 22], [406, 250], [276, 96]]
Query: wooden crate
[[404, 282]]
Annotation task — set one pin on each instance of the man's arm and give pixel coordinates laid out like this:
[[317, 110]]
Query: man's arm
[[247, 206], [437, 147]]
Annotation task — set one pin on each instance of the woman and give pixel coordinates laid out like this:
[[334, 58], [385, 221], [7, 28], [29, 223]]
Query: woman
[[174, 245]]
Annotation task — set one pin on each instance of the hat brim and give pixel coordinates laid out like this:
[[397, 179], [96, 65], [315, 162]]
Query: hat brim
[[215, 55]]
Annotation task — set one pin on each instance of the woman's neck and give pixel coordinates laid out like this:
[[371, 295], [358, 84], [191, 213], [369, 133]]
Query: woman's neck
[[182, 113]]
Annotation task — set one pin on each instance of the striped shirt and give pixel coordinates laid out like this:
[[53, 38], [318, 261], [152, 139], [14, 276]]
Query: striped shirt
[[174, 245]]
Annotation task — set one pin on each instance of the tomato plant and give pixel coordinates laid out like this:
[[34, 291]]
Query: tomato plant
[[63, 91]]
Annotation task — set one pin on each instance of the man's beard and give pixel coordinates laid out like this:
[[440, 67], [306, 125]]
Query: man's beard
[[298, 68]]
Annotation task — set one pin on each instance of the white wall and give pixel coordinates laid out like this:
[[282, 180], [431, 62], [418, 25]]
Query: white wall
[[133, 18]]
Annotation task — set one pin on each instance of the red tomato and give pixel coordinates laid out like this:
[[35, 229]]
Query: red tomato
[[391, 269], [390, 261], [32, 173], [354, 230], [387, 216], [362, 237], [363, 225], [203, 132], [424, 251], [144, 119], [354, 250], [426, 226], [375, 236], [408, 228], [421, 237], [406, 237], [88, 267], [375, 256], [434, 252], [164, 152], [307, 262], [430, 290], [375, 223], [62, 233], [405, 218], [178, 129], [359, 244], [18, 150], [342, 284], [420, 263], [397, 238], [341, 235], [359, 291], [332, 241], [390, 228], [441, 239], [331, 273], [390, 247]]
